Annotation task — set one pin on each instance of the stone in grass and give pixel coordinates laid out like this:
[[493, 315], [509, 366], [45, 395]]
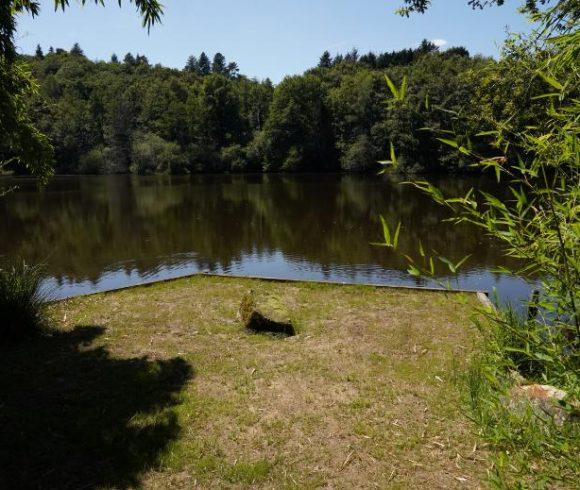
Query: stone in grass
[[265, 314], [546, 401]]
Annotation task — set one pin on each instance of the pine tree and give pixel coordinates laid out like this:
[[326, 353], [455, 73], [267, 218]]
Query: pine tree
[[325, 60], [129, 59], [233, 70], [51, 50], [219, 64], [427, 47], [351, 56], [142, 60], [192, 65], [457, 51], [39, 54], [76, 50], [369, 59], [114, 59], [204, 64]]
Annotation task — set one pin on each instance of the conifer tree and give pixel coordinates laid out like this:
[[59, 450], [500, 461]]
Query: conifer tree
[[76, 50], [219, 64], [192, 65], [325, 60], [233, 70], [204, 64], [129, 59]]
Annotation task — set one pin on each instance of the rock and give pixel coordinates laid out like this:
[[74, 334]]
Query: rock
[[265, 314], [546, 401]]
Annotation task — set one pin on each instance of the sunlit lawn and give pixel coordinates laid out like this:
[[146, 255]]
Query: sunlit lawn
[[161, 387]]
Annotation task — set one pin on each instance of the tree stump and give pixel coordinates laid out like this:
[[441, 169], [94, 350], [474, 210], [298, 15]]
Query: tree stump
[[265, 314]]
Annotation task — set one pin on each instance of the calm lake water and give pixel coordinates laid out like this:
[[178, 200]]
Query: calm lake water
[[99, 233]]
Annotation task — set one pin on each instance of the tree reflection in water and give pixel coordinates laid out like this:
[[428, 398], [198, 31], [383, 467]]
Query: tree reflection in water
[[99, 232]]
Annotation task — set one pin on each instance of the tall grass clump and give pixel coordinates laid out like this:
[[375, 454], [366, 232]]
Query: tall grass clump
[[22, 303], [530, 448]]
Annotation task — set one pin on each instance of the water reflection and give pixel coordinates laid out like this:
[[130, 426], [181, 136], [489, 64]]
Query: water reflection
[[97, 233]]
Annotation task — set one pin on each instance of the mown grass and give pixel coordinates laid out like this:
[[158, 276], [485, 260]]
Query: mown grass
[[161, 387]]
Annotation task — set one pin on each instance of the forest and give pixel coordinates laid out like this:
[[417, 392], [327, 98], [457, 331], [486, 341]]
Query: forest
[[129, 116]]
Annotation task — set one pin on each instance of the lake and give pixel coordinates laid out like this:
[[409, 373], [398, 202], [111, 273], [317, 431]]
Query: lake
[[99, 233]]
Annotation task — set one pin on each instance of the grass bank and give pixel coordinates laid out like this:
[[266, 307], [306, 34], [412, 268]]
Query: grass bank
[[160, 387]]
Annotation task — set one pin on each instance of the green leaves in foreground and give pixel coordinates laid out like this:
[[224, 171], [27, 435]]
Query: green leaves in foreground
[[399, 93], [392, 162], [391, 240]]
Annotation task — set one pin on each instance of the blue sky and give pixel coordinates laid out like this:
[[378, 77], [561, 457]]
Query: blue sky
[[268, 38]]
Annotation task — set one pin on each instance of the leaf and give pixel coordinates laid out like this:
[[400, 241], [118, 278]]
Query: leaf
[[551, 80], [393, 155], [403, 89], [396, 237], [414, 271], [386, 232], [450, 264], [462, 261], [392, 87], [543, 357], [545, 96], [452, 143]]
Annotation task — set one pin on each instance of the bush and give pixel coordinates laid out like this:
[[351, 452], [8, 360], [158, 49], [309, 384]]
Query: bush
[[22, 304], [359, 156], [234, 158], [98, 161], [152, 154]]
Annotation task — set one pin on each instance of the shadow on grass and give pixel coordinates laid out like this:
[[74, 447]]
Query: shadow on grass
[[73, 416]]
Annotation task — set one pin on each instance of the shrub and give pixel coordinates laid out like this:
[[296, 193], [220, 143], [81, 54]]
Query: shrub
[[359, 156], [22, 303], [96, 162], [234, 158], [152, 154]]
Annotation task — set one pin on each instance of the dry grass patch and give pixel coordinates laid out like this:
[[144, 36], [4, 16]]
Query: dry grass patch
[[361, 397]]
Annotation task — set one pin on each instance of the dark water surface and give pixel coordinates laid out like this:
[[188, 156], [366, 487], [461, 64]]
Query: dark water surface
[[98, 233]]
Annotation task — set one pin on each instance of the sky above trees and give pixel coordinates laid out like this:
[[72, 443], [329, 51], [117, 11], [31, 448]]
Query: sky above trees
[[267, 38]]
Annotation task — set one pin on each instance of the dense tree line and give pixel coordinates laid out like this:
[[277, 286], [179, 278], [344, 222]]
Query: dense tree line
[[131, 116]]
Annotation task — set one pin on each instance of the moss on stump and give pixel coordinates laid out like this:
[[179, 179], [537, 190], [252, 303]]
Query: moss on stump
[[265, 314]]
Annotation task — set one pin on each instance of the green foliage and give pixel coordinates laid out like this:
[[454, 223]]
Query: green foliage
[[20, 141], [97, 161], [154, 155], [341, 117], [530, 450], [22, 305], [360, 156], [204, 65], [325, 60], [532, 147], [298, 133], [234, 159]]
